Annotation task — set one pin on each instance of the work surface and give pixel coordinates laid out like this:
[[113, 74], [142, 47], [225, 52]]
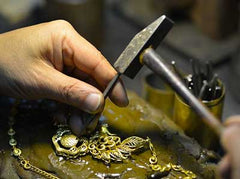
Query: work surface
[[34, 130]]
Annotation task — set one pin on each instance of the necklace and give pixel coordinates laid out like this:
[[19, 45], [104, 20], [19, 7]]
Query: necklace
[[17, 152], [102, 145]]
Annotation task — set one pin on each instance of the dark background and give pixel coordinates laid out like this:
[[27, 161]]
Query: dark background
[[204, 31]]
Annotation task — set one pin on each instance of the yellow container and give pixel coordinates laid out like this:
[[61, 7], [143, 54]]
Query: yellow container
[[158, 94], [192, 124]]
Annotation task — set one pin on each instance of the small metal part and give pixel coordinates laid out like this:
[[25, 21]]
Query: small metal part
[[17, 152], [68, 145], [11, 132], [203, 90], [12, 142]]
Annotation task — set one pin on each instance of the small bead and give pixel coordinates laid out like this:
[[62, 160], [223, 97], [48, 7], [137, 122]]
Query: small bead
[[17, 152], [12, 142], [11, 132], [11, 121], [10, 118]]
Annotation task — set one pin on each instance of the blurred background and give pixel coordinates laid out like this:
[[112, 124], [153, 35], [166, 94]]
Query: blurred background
[[204, 30]]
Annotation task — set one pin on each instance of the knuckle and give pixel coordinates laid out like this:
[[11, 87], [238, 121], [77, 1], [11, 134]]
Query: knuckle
[[61, 23], [68, 91], [103, 62], [99, 62], [60, 27], [101, 57]]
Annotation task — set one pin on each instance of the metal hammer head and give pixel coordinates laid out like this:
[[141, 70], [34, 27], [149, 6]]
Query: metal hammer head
[[128, 62]]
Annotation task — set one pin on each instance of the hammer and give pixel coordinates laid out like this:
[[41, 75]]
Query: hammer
[[140, 51]]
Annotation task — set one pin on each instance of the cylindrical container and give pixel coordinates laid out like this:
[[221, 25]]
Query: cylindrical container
[[158, 94], [193, 125], [86, 16]]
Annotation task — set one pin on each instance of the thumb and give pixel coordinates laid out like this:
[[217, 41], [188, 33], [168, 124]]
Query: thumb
[[72, 91]]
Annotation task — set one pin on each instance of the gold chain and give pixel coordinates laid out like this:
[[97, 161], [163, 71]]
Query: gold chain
[[156, 167], [17, 152]]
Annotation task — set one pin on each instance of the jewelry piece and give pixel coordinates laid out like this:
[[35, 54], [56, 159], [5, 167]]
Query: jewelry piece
[[103, 145], [68, 145], [108, 147], [17, 152]]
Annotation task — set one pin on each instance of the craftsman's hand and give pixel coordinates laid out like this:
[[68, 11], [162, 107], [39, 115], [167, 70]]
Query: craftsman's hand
[[33, 61], [229, 167]]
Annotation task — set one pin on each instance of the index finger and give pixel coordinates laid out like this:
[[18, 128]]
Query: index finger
[[80, 53]]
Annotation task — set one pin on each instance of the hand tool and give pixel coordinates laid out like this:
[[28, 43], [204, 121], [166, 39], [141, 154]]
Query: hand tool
[[140, 51]]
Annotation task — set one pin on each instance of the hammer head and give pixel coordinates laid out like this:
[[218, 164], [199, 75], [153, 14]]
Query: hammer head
[[128, 62]]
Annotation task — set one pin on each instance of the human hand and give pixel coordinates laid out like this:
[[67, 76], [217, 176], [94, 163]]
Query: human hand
[[229, 166], [33, 61]]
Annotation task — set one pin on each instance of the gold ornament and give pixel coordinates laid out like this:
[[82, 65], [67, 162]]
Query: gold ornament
[[108, 147], [17, 152], [103, 145], [68, 145]]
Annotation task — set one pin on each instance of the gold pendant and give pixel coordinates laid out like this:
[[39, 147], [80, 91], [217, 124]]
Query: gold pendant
[[69, 145]]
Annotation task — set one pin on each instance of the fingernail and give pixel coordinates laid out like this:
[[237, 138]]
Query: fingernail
[[92, 102], [119, 95]]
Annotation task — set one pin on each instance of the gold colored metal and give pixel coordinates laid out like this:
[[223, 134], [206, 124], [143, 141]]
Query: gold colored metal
[[108, 147], [191, 123], [68, 145], [103, 145], [17, 152], [28, 166], [158, 94], [168, 167]]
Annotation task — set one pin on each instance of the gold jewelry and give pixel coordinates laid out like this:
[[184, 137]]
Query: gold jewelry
[[17, 152], [108, 147], [103, 145]]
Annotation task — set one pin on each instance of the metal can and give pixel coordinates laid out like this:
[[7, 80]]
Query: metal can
[[191, 123], [158, 94]]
